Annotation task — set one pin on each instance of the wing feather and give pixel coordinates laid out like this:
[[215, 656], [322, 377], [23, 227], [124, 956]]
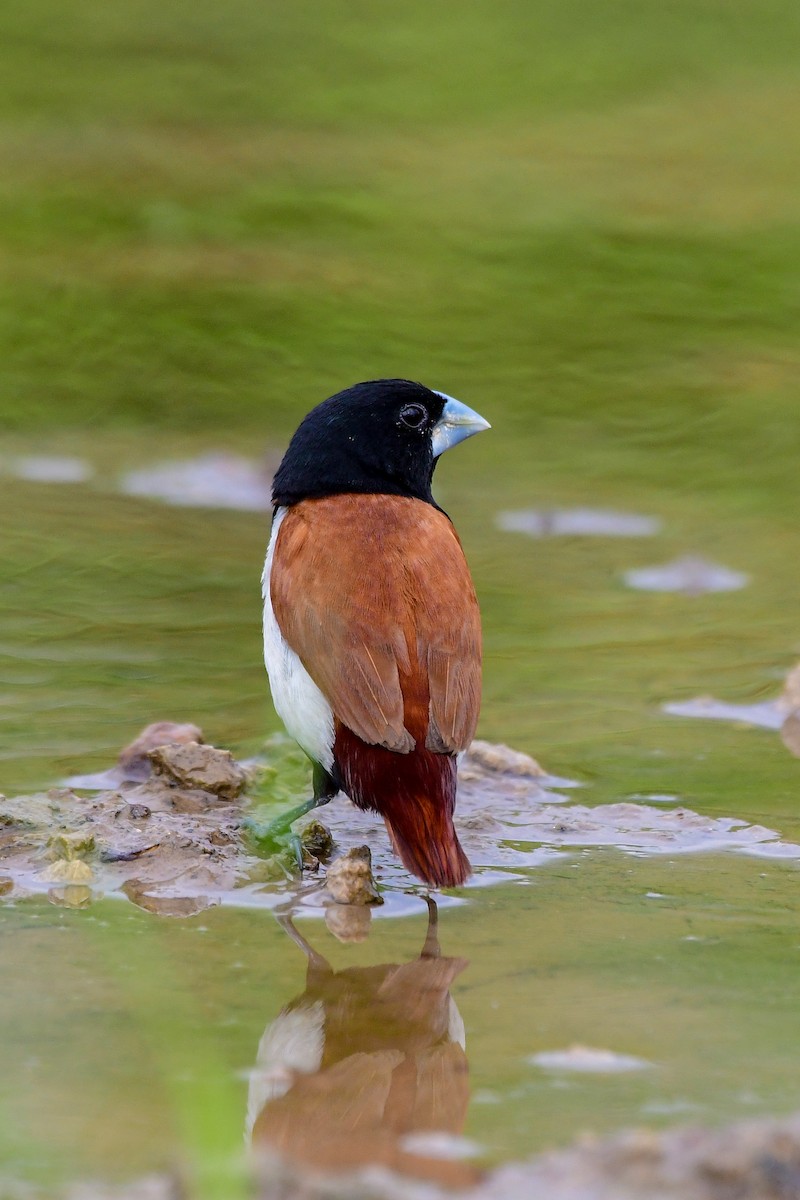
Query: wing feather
[[374, 595]]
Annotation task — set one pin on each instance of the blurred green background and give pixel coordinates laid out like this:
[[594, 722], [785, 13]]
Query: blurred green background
[[582, 215], [581, 218]]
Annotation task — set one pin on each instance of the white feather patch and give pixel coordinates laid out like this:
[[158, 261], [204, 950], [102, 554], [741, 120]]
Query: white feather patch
[[456, 1031], [291, 1045], [299, 703]]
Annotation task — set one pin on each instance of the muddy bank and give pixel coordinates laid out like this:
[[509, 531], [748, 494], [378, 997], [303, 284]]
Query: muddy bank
[[753, 1160], [174, 828]]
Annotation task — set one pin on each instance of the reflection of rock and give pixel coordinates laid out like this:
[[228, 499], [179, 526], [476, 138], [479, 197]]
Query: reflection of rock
[[73, 895], [153, 898], [349, 922], [365, 1059], [691, 575], [68, 871], [350, 880]]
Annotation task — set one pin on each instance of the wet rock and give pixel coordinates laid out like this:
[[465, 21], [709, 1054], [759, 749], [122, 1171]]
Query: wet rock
[[755, 1160], [195, 846], [350, 880], [487, 756], [765, 714], [163, 795], [51, 468], [691, 575], [577, 522], [748, 1160], [317, 840], [68, 871], [214, 480], [71, 846], [149, 1187], [588, 1060], [27, 812], [73, 841], [349, 922], [199, 767], [134, 762], [125, 856], [782, 714]]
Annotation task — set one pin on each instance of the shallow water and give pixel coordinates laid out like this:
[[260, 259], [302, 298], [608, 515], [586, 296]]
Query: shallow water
[[133, 1038]]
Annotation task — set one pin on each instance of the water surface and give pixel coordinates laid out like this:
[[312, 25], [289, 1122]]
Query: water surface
[[134, 1038]]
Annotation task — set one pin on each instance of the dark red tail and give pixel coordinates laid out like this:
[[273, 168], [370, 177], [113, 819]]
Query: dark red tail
[[424, 837], [415, 794]]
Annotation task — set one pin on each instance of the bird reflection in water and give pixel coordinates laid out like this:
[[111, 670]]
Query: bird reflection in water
[[365, 1067]]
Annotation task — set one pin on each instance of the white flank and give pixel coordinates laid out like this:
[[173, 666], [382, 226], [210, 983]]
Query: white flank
[[299, 703]]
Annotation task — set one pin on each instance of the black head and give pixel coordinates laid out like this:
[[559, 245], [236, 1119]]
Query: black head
[[378, 437]]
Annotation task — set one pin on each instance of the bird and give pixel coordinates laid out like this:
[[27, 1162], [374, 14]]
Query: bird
[[372, 631]]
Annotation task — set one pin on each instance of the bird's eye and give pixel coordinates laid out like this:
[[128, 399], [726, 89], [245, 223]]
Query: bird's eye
[[414, 416]]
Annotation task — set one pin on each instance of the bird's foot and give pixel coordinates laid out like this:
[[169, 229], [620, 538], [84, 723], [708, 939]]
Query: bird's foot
[[276, 841]]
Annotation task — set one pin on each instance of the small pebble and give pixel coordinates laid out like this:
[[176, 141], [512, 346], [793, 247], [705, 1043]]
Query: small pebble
[[317, 840], [64, 870], [350, 880]]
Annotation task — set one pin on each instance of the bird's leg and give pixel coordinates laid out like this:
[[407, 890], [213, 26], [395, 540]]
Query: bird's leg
[[274, 834], [431, 948], [325, 789]]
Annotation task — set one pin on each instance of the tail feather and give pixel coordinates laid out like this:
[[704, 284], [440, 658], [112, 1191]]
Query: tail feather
[[415, 794], [425, 839]]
